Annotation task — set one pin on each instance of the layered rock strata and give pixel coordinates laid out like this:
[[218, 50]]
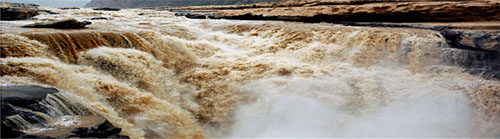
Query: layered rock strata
[[150, 3]]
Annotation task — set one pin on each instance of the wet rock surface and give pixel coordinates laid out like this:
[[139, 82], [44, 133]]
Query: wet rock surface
[[21, 101], [60, 24], [471, 39], [8, 132], [104, 130], [27, 104], [196, 15], [22, 12], [23, 96], [474, 46], [484, 63]]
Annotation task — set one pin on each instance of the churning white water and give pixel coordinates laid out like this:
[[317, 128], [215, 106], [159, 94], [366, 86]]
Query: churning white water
[[157, 75], [328, 107]]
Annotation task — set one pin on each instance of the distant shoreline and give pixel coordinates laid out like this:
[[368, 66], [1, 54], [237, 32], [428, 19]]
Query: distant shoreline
[[53, 3]]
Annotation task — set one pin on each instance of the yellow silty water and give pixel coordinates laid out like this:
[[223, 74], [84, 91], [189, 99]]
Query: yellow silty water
[[159, 76]]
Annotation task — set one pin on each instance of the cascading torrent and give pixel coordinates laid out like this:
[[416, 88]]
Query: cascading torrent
[[162, 76]]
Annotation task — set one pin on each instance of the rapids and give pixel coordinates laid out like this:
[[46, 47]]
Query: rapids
[[157, 76]]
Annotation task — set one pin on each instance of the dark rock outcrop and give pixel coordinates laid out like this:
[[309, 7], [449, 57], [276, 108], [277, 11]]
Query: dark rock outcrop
[[60, 24], [474, 46], [99, 18], [181, 13], [23, 96], [107, 9], [13, 13], [470, 39], [8, 132], [478, 52], [483, 63], [17, 11], [23, 102], [69, 8], [28, 106], [196, 15], [104, 130], [48, 11]]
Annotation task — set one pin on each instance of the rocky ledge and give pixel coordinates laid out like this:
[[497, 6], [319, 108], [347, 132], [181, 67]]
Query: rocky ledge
[[381, 13], [30, 111], [60, 24], [475, 46], [17, 11], [471, 27], [370, 11]]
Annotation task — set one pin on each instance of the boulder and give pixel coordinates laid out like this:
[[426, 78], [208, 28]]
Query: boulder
[[104, 130], [197, 15], [14, 13], [107, 9], [17, 11], [60, 24]]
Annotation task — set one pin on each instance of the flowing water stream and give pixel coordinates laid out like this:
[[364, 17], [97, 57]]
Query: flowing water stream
[[157, 75]]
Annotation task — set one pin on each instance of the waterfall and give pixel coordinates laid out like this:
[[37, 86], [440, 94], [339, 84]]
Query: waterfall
[[159, 76]]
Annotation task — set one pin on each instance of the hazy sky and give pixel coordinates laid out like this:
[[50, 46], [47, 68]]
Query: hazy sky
[[58, 3]]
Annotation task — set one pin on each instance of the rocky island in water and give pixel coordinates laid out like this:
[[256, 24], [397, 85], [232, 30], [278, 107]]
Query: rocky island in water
[[239, 69]]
